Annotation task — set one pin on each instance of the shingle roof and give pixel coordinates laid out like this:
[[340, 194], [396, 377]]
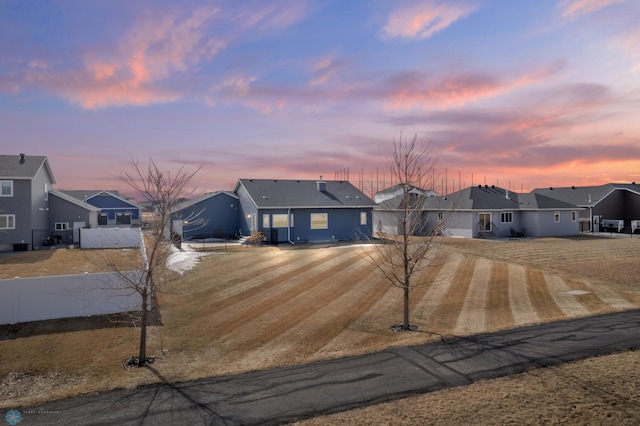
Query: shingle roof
[[585, 196], [73, 200], [83, 194], [494, 198], [276, 193], [12, 166]]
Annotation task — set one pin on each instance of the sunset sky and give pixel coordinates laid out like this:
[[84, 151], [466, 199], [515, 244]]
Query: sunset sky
[[521, 94]]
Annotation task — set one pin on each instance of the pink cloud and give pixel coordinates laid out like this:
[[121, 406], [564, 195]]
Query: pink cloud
[[419, 91], [576, 8], [422, 20]]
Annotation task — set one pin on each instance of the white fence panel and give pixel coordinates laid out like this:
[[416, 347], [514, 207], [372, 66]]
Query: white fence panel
[[92, 238], [35, 299]]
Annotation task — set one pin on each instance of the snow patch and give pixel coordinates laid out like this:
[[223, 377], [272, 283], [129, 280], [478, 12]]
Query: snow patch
[[182, 261], [577, 292]]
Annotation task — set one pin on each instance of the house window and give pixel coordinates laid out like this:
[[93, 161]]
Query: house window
[[363, 218], [61, 226], [319, 220], [123, 218], [506, 217], [574, 216], [440, 215], [6, 188], [7, 221], [265, 221], [484, 222], [280, 220], [556, 216], [46, 191], [102, 219]]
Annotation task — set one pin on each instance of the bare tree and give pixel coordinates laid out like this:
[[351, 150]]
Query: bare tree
[[163, 191], [408, 239]]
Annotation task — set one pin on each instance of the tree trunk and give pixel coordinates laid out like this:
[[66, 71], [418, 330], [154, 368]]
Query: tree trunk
[[142, 355], [405, 325]]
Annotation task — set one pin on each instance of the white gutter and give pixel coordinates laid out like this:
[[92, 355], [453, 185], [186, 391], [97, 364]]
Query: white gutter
[[289, 226]]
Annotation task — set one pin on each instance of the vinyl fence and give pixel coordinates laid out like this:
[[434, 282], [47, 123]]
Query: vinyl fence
[[94, 238], [34, 299]]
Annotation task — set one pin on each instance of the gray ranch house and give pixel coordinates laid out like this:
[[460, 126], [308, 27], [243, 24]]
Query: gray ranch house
[[297, 211], [488, 212], [613, 207], [211, 215]]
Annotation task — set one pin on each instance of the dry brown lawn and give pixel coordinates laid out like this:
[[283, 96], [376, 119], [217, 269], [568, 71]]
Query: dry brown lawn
[[241, 310]]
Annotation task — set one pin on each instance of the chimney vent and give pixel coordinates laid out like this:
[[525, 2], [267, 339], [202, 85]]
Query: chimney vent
[[322, 185], [22, 158]]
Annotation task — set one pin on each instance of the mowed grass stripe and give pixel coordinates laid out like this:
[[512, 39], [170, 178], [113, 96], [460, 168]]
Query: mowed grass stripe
[[292, 287], [612, 298], [437, 290], [472, 315], [521, 305], [231, 269], [424, 281], [590, 300], [355, 297], [447, 312], [542, 301], [568, 303], [327, 286], [498, 307], [263, 283]]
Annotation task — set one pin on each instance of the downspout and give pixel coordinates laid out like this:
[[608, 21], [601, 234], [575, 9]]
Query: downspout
[[289, 226]]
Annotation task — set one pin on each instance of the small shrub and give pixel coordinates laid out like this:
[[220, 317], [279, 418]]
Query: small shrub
[[256, 238]]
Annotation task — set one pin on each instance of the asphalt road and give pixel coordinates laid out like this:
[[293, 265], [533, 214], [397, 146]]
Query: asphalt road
[[285, 394]]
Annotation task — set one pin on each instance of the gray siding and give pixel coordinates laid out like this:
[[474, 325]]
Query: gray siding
[[40, 206], [20, 206]]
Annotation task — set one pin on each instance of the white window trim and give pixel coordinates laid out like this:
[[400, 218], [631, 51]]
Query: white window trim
[[280, 220], [363, 218], [556, 216], [489, 223], [325, 220], [574, 215], [265, 221], [10, 182], [10, 220]]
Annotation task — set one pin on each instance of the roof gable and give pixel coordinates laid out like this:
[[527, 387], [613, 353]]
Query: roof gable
[[201, 198], [276, 193], [23, 166], [72, 200]]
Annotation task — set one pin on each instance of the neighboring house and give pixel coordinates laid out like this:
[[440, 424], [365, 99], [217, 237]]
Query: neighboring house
[[489, 211], [304, 210], [398, 190], [212, 215], [68, 214], [115, 210], [25, 182], [388, 215], [611, 207]]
